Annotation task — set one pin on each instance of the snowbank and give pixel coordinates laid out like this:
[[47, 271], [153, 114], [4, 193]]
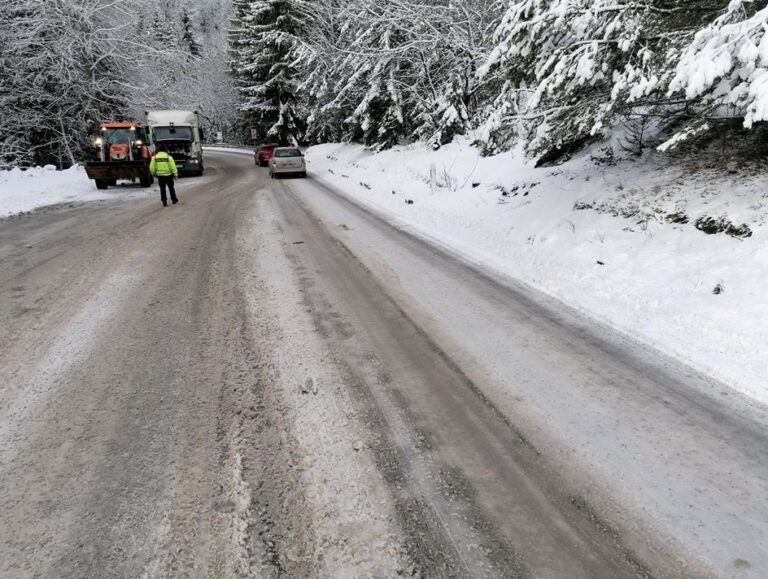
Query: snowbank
[[25, 190], [619, 241]]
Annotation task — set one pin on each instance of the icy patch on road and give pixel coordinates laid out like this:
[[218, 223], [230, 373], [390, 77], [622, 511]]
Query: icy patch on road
[[627, 242]]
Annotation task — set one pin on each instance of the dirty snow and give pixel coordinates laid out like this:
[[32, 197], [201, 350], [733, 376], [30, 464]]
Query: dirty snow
[[616, 240]]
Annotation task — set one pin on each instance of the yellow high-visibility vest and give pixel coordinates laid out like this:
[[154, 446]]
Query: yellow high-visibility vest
[[163, 165]]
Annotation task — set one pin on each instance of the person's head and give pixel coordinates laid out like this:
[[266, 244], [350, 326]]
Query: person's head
[[161, 148]]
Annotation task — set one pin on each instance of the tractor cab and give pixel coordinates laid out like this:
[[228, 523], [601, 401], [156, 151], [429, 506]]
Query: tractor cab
[[122, 142], [123, 154]]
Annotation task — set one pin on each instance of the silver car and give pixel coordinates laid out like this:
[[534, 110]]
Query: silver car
[[287, 160]]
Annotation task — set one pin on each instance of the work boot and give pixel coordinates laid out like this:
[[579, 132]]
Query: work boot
[[165, 205], [175, 201]]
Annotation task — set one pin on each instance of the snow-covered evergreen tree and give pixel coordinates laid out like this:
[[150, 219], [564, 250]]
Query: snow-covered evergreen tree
[[571, 66], [725, 69], [263, 61], [455, 93], [188, 41], [383, 115], [388, 72]]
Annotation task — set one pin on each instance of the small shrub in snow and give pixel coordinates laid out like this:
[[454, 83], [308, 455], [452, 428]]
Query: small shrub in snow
[[681, 218], [600, 237], [508, 191], [711, 226], [604, 157], [447, 180]]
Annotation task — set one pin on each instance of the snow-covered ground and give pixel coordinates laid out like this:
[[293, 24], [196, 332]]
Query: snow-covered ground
[[616, 239], [26, 190]]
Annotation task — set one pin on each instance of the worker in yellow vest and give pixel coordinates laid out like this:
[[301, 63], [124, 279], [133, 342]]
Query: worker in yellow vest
[[163, 167]]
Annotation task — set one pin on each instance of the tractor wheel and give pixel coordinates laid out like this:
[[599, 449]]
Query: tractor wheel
[[102, 183], [145, 180], [112, 182]]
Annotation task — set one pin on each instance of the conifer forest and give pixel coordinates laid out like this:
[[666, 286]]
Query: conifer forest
[[548, 76]]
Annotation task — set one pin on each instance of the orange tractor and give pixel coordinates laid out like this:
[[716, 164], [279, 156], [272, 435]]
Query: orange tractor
[[123, 154]]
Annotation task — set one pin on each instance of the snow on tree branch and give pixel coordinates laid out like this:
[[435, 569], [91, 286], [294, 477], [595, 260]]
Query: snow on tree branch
[[726, 65]]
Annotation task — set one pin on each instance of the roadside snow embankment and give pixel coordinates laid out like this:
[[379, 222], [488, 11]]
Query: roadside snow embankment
[[675, 256], [26, 190]]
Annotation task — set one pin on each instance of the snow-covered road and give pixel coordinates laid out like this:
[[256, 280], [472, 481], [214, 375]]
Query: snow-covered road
[[268, 379]]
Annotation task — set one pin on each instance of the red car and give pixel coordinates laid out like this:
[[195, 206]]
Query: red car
[[263, 153]]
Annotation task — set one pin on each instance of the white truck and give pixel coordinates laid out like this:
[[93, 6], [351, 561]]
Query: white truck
[[181, 134]]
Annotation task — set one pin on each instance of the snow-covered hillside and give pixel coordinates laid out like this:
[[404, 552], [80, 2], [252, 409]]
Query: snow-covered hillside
[[673, 254]]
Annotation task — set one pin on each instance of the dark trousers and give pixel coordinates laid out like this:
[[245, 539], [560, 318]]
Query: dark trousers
[[167, 181]]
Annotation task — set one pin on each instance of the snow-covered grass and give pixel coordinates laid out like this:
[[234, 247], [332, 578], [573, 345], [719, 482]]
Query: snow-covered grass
[[26, 190], [617, 240]]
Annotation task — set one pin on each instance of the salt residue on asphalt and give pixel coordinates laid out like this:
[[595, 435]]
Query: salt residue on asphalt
[[599, 236]]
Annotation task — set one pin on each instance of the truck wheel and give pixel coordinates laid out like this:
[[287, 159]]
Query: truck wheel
[[102, 183], [145, 180]]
